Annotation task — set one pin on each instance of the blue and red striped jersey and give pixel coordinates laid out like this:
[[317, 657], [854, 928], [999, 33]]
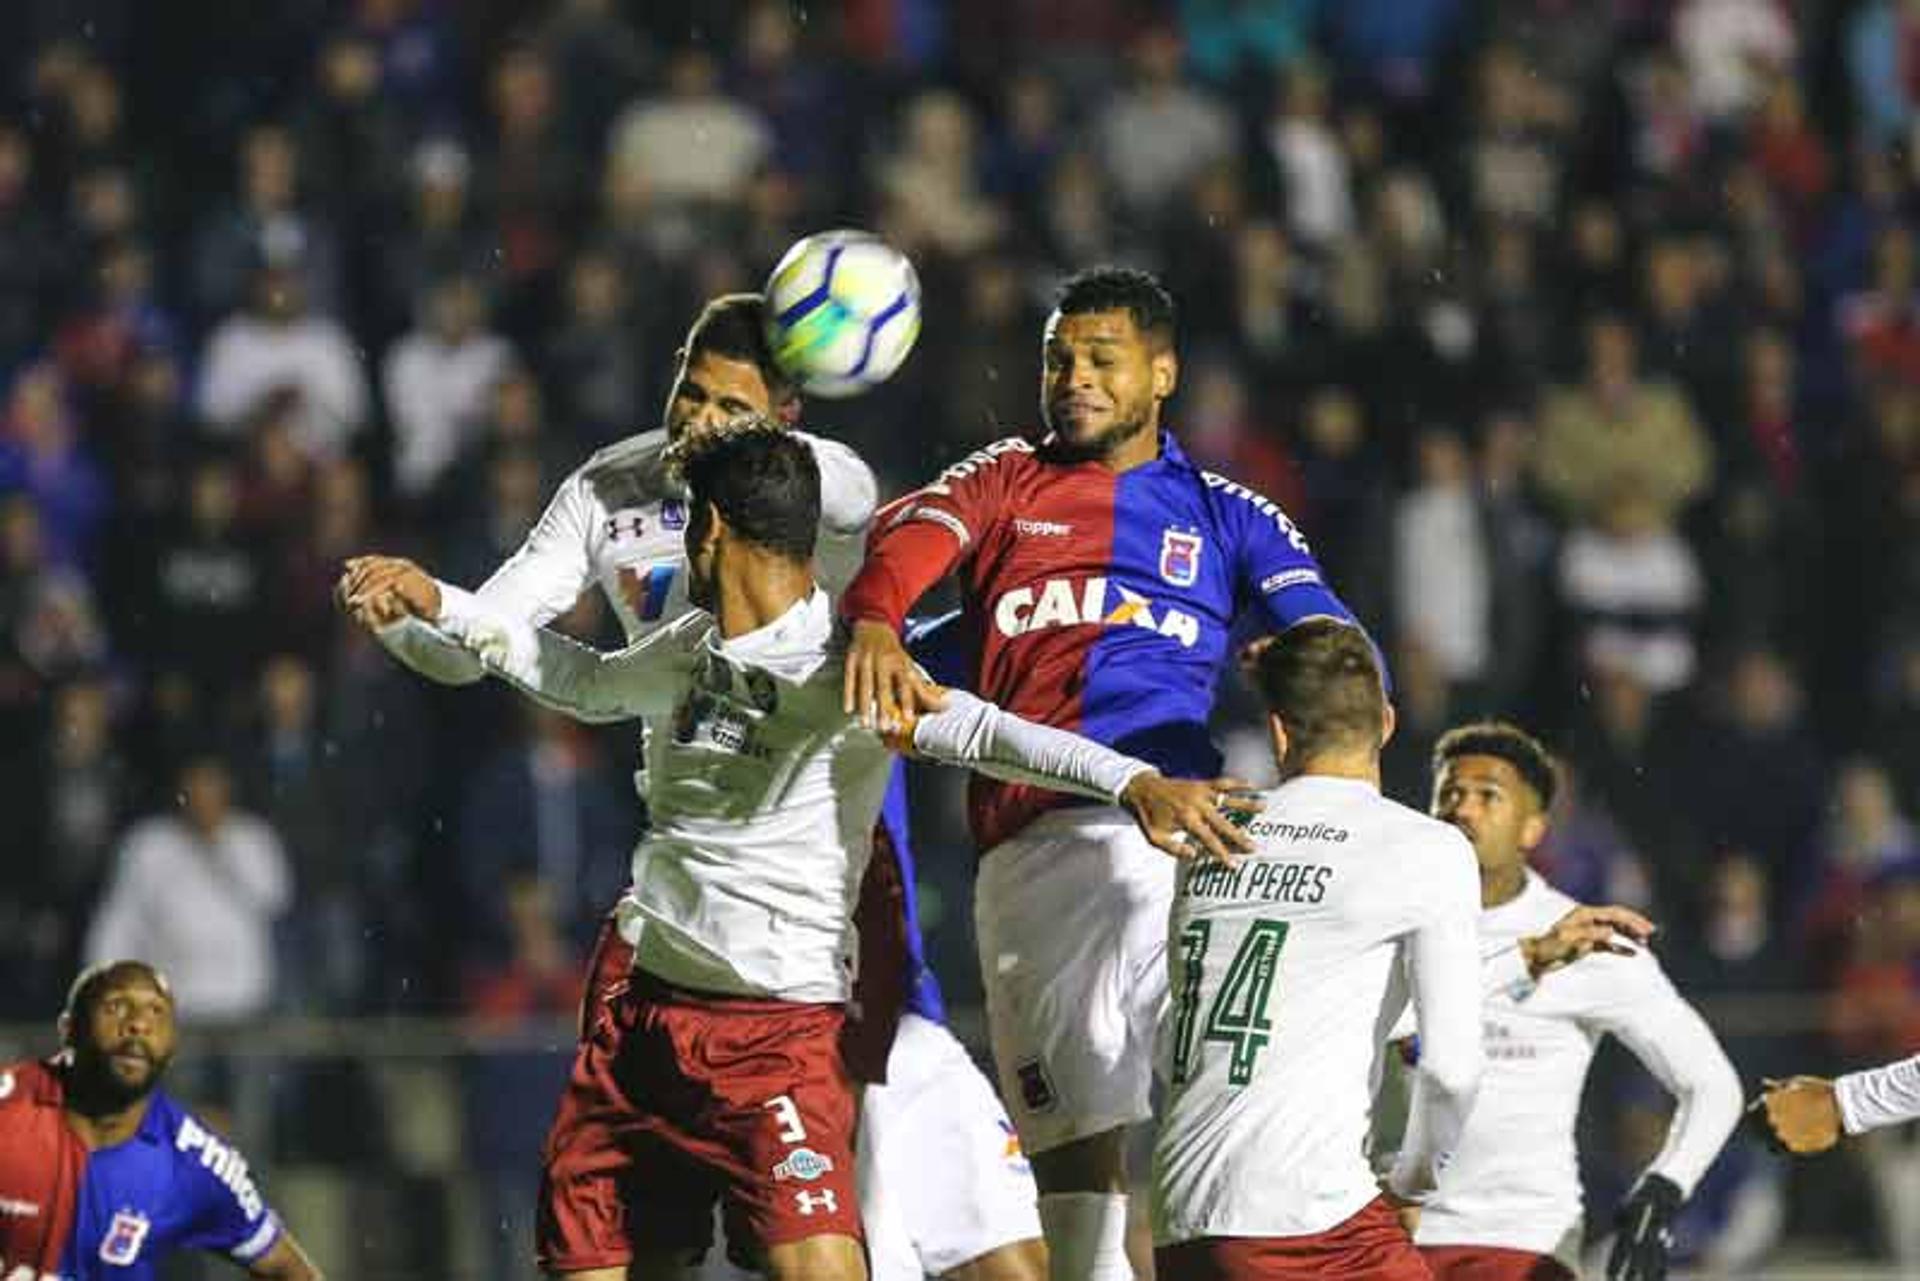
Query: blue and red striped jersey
[[175, 1185], [1095, 601]]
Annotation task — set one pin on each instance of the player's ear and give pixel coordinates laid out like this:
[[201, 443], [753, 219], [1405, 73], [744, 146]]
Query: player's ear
[[1165, 367], [1533, 831], [1277, 732], [1389, 721], [64, 1026]]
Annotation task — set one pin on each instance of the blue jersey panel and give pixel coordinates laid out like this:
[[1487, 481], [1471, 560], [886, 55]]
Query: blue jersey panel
[[174, 1185]]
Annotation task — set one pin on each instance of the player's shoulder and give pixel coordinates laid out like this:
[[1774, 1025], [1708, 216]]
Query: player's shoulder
[[1246, 510], [1423, 851], [205, 1154], [630, 470], [30, 1083], [1008, 456]]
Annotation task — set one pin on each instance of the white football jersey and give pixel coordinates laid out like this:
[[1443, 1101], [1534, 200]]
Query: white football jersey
[[619, 521], [1514, 1180], [763, 792], [1287, 973], [1882, 1096]]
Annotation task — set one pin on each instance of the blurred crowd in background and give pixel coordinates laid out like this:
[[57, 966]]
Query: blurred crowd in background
[[1582, 338]]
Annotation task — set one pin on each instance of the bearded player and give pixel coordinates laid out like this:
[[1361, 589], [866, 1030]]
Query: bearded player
[[949, 1195], [102, 1174], [1101, 573]]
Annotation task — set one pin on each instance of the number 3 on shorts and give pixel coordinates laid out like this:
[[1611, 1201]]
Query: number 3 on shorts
[[1239, 1013], [782, 1107]]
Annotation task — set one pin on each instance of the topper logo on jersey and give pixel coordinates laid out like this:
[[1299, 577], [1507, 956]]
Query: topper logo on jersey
[[1061, 602], [124, 1238]]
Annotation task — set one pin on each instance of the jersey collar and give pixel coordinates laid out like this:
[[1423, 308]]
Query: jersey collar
[[1170, 451], [803, 629]]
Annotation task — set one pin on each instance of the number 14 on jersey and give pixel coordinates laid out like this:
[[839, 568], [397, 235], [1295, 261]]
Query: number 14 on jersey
[[1238, 1014]]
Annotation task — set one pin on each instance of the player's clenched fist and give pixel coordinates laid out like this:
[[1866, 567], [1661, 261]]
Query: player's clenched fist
[[1191, 818], [378, 590], [1803, 1114]]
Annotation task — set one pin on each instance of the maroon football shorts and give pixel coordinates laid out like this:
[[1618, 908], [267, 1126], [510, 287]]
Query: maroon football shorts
[[1370, 1246], [678, 1100], [1492, 1263]]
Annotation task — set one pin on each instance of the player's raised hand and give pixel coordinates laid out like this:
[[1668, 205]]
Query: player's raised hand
[[379, 590], [1802, 1114], [1189, 817], [1582, 932], [885, 688]]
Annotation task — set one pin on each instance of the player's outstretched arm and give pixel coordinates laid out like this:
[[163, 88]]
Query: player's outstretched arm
[[552, 669], [1584, 931], [1184, 817], [1807, 1114], [285, 1262]]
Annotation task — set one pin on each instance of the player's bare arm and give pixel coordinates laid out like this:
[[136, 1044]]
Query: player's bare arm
[[285, 1262], [379, 590], [1585, 930], [885, 688], [1803, 1113], [1191, 818]]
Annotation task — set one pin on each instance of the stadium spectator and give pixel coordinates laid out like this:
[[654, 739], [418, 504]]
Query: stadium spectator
[[199, 893], [278, 343], [438, 379]]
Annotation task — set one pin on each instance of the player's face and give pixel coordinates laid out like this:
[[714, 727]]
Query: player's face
[[1101, 381], [127, 1039], [714, 389], [1485, 797]]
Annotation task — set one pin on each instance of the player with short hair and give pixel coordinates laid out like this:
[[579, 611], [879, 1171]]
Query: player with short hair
[[1809, 1114], [1508, 1206], [716, 1073], [1287, 971], [959, 1199], [102, 1173], [1101, 573]]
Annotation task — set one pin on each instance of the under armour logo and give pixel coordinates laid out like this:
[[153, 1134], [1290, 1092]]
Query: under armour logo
[[625, 525], [821, 1200]]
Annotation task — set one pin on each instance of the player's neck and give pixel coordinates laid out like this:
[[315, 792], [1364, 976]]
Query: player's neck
[[1136, 450], [1358, 766], [99, 1127], [1501, 885], [756, 589]]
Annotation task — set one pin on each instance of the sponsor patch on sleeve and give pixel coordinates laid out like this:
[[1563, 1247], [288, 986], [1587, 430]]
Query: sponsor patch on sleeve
[[1288, 578]]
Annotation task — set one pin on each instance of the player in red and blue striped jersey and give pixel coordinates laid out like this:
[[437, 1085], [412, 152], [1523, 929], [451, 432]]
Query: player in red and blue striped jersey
[[1102, 572], [102, 1174]]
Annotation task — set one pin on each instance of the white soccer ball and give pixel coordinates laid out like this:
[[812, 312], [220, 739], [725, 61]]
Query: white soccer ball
[[843, 309]]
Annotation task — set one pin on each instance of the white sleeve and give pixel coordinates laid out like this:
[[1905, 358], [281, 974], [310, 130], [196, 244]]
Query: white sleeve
[[848, 490], [643, 679], [1884, 1096], [225, 384], [1636, 1002], [1443, 966], [848, 495], [979, 736], [537, 584], [118, 927]]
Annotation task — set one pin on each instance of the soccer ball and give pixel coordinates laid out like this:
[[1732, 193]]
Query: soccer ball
[[843, 309]]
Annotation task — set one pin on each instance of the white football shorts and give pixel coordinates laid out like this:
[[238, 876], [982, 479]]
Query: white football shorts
[[942, 1177], [1071, 918]]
